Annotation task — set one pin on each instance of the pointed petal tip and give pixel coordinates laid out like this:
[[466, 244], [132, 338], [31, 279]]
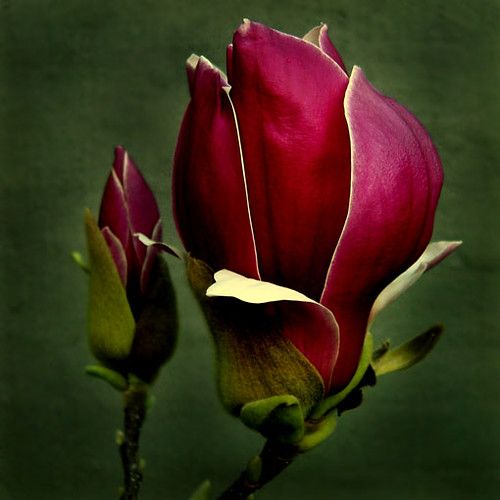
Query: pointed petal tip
[[245, 27], [119, 161], [192, 62]]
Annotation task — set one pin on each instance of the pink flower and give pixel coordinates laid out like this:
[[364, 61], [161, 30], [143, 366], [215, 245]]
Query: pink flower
[[306, 187]]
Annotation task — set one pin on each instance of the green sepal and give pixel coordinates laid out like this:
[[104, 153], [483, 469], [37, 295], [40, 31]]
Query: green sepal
[[317, 432], [111, 323], [115, 379], [254, 360], [78, 260], [407, 354], [156, 329], [202, 492], [331, 402], [254, 469], [279, 418]]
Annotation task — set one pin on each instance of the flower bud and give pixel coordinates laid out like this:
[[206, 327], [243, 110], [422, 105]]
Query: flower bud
[[132, 310]]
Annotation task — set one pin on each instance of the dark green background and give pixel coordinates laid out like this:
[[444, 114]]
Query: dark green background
[[78, 77]]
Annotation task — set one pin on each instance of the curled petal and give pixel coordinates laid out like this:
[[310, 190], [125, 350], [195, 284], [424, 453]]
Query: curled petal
[[230, 284], [313, 330], [395, 184], [432, 256], [310, 326], [288, 96], [210, 200], [319, 36]]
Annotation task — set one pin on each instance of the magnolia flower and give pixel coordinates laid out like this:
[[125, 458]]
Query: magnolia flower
[[132, 317], [305, 187]]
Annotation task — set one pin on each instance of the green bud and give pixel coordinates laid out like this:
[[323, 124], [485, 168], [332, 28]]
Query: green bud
[[279, 418]]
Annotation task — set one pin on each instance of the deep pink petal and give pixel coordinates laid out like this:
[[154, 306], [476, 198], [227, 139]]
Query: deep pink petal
[[289, 96], [117, 252], [210, 203], [229, 62], [143, 211], [314, 332], [113, 212], [396, 180], [319, 36], [119, 162]]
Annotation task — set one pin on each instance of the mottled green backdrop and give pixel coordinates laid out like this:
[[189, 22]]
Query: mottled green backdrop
[[78, 77]]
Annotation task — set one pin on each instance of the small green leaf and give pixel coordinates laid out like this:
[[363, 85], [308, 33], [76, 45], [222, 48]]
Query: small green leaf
[[111, 323], [254, 469], [331, 402], [316, 433], [119, 437], [277, 417], [408, 354], [115, 379], [381, 350], [202, 492], [78, 260]]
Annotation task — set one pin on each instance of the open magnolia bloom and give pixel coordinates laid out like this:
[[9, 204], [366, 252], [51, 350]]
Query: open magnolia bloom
[[312, 198]]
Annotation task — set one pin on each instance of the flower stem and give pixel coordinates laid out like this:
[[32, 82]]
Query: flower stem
[[272, 460], [134, 414]]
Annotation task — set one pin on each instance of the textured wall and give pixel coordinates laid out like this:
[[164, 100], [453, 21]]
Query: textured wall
[[78, 77]]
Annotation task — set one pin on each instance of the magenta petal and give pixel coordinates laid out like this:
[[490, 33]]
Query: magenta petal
[[210, 202], [119, 162], [229, 62], [117, 252], [314, 332], [288, 96], [319, 36], [396, 180], [142, 208], [113, 212]]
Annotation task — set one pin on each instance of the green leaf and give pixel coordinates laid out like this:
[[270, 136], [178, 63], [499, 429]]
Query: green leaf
[[78, 260], [115, 379], [111, 324], [408, 354], [331, 402], [278, 417], [202, 492]]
